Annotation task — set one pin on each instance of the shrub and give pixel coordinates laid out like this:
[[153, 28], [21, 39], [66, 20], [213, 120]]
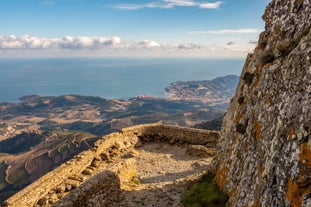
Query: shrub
[[241, 128], [285, 47], [205, 193], [262, 43], [248, 78], [241, 100], [135, 180], [268, 57], [305, 32]]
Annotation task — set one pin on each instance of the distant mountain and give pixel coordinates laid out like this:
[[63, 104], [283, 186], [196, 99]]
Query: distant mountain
[[214, 92]]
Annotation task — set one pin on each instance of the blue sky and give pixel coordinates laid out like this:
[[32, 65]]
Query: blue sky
[[191, 28]]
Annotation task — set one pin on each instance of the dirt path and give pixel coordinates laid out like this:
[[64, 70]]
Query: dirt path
[[164, 171]]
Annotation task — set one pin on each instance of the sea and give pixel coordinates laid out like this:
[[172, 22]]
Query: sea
[[110, 78]]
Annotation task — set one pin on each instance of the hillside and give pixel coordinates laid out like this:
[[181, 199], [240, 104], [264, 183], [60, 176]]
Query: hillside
[[28, 156]]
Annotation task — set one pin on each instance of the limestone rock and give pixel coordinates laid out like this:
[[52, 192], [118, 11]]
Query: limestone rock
[[265, 159]]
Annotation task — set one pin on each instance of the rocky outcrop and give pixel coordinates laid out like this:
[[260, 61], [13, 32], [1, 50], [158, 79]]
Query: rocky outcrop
[[265, 156], [95, 176]]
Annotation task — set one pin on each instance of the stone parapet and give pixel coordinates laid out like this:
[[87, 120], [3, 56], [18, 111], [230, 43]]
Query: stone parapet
[[100, 188], [94, 166]]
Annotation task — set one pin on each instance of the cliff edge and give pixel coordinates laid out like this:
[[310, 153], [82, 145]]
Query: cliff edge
[[265, 156]]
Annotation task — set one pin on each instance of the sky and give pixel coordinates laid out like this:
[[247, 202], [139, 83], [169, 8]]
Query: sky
[[133, 28]]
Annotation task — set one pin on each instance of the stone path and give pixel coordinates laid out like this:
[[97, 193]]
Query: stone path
[[164, 172]]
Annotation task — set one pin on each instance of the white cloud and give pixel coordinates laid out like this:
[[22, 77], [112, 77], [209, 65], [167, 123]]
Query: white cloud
[[26, 45], [12, 45], [254, 42], [189, 46], [129, 6], [214, 5], [228, 31], [28, 42], [148, 43], [168, 4], [180, 2]]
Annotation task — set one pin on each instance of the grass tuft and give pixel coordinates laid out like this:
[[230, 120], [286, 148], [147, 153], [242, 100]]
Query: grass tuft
[[268, 57], [205, 193]]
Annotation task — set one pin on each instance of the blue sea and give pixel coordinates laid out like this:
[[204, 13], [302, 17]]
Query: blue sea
[[111, 78]]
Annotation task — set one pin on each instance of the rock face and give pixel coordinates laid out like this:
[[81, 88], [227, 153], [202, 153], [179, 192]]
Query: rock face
[[265, 156]]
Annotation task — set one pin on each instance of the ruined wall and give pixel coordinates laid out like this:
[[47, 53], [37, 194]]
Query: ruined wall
[[100, 188], [265, 156], [94, 174]]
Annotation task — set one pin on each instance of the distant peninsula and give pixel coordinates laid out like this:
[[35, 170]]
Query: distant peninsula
[[215, 92]]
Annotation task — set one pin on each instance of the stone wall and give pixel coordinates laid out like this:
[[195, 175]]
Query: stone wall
[[265, 156], [100, 188], [93, 174]]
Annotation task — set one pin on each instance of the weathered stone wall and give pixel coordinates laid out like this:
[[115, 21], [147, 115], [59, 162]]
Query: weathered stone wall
[[265, 156], [101, 188], [84, 178]]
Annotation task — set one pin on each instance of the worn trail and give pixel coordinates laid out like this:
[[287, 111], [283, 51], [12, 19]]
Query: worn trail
[[163, 174]]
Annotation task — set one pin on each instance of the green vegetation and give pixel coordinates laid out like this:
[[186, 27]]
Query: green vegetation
[[135, 180], [3, 168], [286, 46], [304, 32], [241, 100], [19, 177], [241, 128], [268, 57], [205, 194], [214, 124], [248, 78], [20, 143]]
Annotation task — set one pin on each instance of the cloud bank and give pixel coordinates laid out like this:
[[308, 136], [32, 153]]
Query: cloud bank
[[27, 42], [169, 4], [228, 31], [26, 45]]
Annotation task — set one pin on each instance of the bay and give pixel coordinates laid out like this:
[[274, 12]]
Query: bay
[[111, 78]]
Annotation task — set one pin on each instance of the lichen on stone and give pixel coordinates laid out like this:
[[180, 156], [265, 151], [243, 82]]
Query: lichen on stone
[[267, 162]]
